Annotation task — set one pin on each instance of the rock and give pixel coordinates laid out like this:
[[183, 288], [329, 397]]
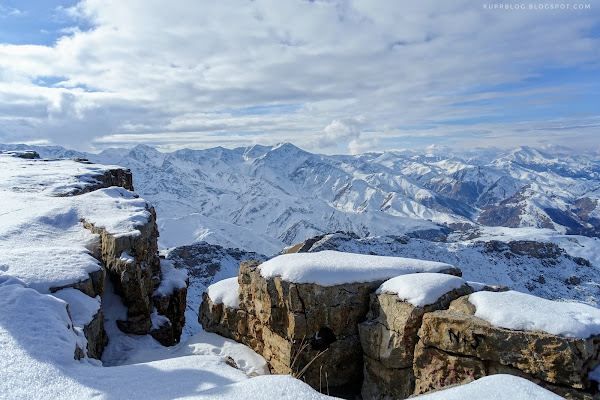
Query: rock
[[573, 280], [172, 307], [435, 369], [28, 154], [115, 177], [550, 358], [381, 382], [388, 339], [294, 315], [96, 336], [93, 286], [136, 280]]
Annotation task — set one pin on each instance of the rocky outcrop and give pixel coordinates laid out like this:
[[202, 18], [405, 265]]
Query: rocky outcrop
[[96, 336], [307, 330], [114, 177], [456, 347], [388, 338], [133, 265], [171, 306], [203, 260], [292, 318], [93, 285], [375, 345]]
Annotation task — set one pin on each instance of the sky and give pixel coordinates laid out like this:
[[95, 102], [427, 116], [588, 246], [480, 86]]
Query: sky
[[331, 76]]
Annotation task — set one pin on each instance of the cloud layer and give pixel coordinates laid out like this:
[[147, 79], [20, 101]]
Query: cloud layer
[[330, 76]]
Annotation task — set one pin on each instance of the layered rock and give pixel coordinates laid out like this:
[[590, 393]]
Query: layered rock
[[119, 177], [456, 347], [306, 329], [418, 333], [133, 265], [389, 337], [292, 319], [96, 336]]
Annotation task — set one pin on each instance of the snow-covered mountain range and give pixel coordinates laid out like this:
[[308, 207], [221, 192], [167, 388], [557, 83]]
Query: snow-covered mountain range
[[262, 198]]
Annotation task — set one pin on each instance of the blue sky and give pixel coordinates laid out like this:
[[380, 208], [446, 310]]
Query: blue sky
[[331, 76]]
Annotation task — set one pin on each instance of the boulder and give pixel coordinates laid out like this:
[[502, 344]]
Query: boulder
[[389, 337], [293, 320], [456, 347]]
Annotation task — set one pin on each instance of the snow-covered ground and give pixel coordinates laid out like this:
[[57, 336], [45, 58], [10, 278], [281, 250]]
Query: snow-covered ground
[[43, 244]]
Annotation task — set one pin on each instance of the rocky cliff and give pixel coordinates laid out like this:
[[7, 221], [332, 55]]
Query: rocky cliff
[[353, 340], [84, 226]]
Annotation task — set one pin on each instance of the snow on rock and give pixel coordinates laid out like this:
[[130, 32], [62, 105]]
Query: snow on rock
[[158, 320], [82, 307], [520, 311], [42, 239], [329, 268], [225, 292], [126, 257], [421, 289], [172, 278], [499, 387]]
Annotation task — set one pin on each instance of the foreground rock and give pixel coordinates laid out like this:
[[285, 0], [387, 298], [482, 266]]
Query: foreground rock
[[303, 328], [75, 224], [412, 334], [457, 347], [389, 335]]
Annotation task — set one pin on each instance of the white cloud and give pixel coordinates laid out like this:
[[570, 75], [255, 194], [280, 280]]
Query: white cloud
[[340, 132], [148, 70]]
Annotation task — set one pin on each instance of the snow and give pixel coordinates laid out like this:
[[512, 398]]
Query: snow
[[82, 307], [225, 292], [44, 246], [477, 286], [479, 263], [520, 311], [42, 239], [126, 257], [421, 289], [594, 374], [172, 278], [37, 348], [158, 320], [329, 268], [498, 387], [201, 344], [282, 387]]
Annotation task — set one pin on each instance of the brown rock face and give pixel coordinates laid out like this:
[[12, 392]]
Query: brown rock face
[[298, 321], [172, 307], [114, 177], [389, 337], [135, 281], [96, 336], [456, 347], [347, 336]]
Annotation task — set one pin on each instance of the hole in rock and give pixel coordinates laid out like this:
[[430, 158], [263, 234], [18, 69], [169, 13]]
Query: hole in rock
[[322, 339]]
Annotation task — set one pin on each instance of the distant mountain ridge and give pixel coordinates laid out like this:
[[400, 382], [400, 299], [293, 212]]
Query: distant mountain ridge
[[261, 198]]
